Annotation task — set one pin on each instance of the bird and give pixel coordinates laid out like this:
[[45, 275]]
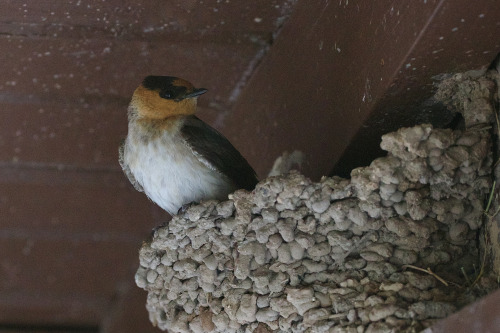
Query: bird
[[173, 156]]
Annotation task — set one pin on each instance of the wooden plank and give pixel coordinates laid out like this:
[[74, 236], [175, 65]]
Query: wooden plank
[[129, 19], [65, 137], [480, 316], [53, 135], [458, 37], [81, 71], [47, 329], [69, 239], [333, 65], [129, 313], [31, 311], [71, 224], [55, 270], [74, 204]]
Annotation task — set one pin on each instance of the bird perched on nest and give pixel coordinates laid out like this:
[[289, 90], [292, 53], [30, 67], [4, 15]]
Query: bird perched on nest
[[173, 156]]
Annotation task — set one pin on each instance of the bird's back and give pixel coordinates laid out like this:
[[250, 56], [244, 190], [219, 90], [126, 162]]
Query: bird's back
[[213, 147]]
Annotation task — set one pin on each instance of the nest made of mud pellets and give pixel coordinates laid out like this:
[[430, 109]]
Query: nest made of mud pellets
[[338, 255]]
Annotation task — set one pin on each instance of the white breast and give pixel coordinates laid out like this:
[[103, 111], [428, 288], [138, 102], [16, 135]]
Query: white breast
[[170, 173]]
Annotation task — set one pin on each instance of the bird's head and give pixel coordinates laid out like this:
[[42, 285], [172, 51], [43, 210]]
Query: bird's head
[[160, 97]]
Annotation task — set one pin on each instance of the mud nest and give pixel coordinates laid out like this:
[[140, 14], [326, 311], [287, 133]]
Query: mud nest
[[339, 255]]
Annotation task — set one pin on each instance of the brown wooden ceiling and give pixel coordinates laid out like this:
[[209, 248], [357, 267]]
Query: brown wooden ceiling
[[324, 77], [70, 224]]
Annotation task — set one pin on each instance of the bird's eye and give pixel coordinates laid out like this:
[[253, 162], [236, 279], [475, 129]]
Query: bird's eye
[[167, 94]]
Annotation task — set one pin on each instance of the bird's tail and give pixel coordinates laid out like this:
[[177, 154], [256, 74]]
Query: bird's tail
[[495, 64]]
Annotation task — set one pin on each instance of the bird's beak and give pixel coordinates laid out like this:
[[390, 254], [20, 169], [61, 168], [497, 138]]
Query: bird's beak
[[196, 93]]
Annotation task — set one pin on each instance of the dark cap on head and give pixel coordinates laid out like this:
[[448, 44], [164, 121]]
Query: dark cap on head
[[171, 87]]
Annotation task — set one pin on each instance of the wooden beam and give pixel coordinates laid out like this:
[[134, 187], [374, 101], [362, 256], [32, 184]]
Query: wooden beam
[[341, 73]]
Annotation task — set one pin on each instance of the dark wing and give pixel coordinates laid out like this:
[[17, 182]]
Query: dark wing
[[126, 169], [215, 149]]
